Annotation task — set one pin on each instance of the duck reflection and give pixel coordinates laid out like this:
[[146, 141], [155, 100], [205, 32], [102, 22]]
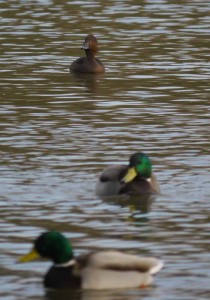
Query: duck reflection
[[87, 80], [85, 295], [139, 206], [63, 294]]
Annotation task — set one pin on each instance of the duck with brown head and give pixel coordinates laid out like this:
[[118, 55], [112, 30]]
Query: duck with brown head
[[88, 63]]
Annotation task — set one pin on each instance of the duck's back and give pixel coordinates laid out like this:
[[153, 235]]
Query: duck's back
[[109, 181], [113, 269]]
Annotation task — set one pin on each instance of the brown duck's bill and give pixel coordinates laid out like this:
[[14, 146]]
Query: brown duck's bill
[[85, 46]]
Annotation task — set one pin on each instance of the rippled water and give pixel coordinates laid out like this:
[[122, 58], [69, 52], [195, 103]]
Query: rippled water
[[59, 130]]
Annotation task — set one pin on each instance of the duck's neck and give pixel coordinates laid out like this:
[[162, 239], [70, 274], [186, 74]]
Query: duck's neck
[[146, 174], [144, 170], [69, 263], [90, 53]]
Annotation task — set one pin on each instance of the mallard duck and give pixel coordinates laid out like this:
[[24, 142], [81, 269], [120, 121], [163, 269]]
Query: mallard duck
[[88, 63], [134, 179], [97, 270]]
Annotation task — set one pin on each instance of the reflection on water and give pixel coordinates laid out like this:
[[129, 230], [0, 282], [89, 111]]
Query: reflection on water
[[138, 206], [88, 81], [59, 130], [93, 295]]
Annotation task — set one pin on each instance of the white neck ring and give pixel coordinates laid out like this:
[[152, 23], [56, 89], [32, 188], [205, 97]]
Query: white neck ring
[[69, 263]]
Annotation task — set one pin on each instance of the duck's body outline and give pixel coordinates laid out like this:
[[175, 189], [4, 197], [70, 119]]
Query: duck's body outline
[[113, 179], [100, 270], [89, 63]]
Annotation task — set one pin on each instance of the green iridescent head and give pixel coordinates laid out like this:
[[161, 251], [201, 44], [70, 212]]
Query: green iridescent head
[[52, 245], [140, 165]]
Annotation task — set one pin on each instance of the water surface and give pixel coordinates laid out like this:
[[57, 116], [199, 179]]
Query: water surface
[[59, 130]]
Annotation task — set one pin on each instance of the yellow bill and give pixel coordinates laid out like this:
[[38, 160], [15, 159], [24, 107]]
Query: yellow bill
[[130, 175], [32, 255]]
